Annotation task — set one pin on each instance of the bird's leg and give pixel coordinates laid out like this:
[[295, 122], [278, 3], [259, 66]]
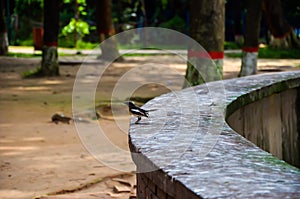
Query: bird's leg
[[139, 118]]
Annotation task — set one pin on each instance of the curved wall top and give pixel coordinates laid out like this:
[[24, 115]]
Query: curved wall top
[[186, 149]]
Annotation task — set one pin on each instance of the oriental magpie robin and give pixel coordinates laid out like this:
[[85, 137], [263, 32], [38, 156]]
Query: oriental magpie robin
[[137, 111]]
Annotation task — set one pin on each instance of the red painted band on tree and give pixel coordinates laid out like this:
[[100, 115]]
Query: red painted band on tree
[[216, 55], [50, 43], [202, 54], [250, 49]]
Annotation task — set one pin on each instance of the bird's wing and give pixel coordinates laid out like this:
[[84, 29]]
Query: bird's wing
[[138, 111], [142, 110]]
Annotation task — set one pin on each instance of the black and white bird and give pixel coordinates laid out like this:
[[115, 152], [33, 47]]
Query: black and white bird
[[137, 111]]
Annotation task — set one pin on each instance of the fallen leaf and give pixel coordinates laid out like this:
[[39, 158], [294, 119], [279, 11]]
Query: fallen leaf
[[121, 189]]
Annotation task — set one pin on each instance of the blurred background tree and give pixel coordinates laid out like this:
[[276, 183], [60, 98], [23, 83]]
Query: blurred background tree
[[49, 65], [106, 29], [251, 37], [280, 33], [3, 32], [207, 28]]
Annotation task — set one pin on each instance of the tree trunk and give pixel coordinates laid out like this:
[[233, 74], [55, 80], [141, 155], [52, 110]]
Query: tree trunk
[[250, 49], [238, 37], [282, 32], [3, 33], [105, 29], [207, 28], [50, 65]]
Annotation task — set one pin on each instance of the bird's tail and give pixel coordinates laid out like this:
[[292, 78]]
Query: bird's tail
[[151, 110]]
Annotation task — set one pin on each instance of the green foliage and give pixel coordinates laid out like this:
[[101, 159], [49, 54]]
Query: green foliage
[[291, 9], [66, 41], [80, 27], [85, 45], [30, 14], [279, 53], [176, 23], [21, 5], [31, 9], [81, 6], [164, 3], [76, 26]]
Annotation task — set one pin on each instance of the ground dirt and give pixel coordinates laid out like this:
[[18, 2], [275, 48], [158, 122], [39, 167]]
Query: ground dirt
[[41, 159]]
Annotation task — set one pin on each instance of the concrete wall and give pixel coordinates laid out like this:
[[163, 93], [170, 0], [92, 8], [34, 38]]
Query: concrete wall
[[185, 149], [272, 123]]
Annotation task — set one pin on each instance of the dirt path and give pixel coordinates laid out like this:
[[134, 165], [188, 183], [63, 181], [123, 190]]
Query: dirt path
[[38, 157]]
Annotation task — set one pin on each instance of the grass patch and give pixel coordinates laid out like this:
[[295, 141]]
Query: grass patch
[[279, 53], [234, 55], [32, 73], [27, 42], [143, 54], [231, 45], [67, 42], [24, 55], [152, 47], [269, 53], [85, 45], [32, 55]]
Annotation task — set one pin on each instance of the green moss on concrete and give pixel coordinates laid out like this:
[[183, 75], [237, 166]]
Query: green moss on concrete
[[271, 160]]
